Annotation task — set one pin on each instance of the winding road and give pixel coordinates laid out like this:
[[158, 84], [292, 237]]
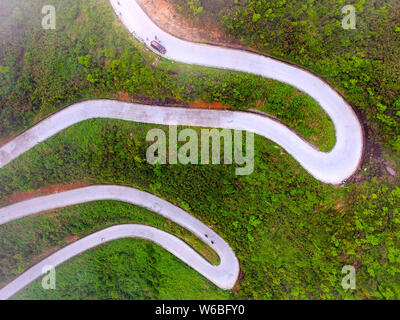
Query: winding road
[[332, 167], [329, 167], [224, 275]]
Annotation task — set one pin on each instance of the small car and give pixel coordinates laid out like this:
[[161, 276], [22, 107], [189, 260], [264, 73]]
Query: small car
[[158, 47]]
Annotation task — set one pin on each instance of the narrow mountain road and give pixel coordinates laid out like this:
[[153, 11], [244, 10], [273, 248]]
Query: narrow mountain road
[[223, 275]]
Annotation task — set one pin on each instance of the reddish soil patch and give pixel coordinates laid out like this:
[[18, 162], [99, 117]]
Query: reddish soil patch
[[42, 192], [236, 288], [164, 14], [206, 105], [3, 141]]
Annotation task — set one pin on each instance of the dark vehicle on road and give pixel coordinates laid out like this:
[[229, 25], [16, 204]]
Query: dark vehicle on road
[[158, 47]]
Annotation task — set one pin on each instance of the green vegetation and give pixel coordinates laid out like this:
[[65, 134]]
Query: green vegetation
[[191, 7], [125, 269], [91, 55]]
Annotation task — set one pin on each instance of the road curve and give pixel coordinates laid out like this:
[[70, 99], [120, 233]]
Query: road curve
[[333, 167], [224, 275]]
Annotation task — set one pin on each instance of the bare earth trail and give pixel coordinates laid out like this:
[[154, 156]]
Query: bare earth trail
[[331, 167]]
